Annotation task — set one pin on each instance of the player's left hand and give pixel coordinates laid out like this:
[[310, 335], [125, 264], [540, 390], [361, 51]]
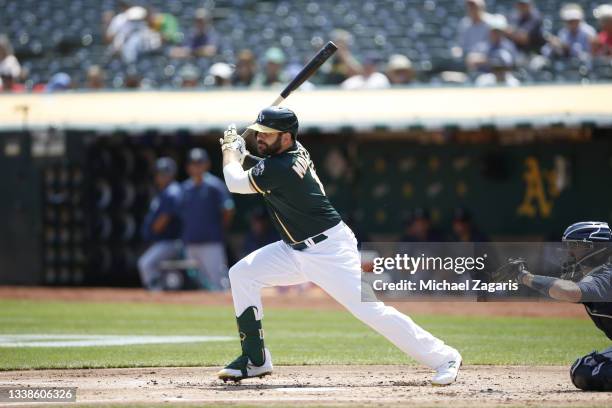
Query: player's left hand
[[513, 269], [521, 268], [232, 141]]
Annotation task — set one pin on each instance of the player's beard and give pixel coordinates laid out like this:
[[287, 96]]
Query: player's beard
[[269, 149]]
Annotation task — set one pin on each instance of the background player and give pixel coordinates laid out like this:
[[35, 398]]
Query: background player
[[161, 225], [206, 210], [588, 246], [316, 246]]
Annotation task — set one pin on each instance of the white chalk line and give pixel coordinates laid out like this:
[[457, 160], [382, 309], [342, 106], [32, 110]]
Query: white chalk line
[[93, 340]]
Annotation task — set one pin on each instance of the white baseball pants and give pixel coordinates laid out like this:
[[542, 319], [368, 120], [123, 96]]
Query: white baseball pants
[[334, 265]]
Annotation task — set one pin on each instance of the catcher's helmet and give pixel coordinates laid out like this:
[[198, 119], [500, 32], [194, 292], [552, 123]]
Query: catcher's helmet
[[585, 241], [276, 119], [588, 231]]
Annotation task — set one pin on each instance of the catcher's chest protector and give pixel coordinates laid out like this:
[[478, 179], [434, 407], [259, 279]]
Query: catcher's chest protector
[[601, 314]]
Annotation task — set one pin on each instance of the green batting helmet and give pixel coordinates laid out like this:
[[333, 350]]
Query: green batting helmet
[[276, 119]]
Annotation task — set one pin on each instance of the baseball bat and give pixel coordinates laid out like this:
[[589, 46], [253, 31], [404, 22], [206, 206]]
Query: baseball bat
[[306, 72], [309, 69]]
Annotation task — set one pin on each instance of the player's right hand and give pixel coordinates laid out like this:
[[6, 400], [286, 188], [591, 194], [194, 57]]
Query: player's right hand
[[232, 141]]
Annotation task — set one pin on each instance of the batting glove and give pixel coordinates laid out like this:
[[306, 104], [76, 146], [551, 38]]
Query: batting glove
[[232, 141]]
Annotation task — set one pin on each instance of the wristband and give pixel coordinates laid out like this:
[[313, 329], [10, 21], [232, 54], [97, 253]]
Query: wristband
[[542, 283]]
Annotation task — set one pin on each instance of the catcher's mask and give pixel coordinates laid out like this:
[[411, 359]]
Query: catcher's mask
[[584, 248]]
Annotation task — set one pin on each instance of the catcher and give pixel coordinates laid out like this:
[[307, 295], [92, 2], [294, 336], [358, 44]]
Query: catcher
[[586, 278]]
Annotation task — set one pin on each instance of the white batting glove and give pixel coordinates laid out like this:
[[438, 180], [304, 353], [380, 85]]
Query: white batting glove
[[230, 135], [232, 141]]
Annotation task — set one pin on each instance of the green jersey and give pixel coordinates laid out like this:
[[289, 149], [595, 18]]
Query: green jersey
[[294, 194]]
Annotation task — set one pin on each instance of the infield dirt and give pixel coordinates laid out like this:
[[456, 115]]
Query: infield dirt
[[477, 386]]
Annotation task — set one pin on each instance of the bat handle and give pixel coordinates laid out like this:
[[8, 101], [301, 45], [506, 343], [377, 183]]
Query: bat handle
[[278, 101], [247, 133]]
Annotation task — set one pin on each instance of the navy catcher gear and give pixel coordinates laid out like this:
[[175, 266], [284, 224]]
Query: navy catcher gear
[[593, 372], [586, 243], [588, 231]]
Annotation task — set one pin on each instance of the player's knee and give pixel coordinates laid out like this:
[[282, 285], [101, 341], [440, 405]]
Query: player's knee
[[143, 264], [368, 310], [592, 372]]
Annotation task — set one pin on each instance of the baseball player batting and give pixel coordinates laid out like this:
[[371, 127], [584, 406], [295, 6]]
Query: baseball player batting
[[316, 247]]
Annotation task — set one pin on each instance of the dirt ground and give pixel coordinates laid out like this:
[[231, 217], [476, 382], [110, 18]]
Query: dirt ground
[[477, 386], [291, 298]]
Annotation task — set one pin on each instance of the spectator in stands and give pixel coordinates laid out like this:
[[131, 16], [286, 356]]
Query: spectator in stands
[[8, 83], [370, 78], [203, 41], [206, 210], [464, 229], [10, 70], [95, 78], [274, 63], [473, 28], [479, 58], [260, 232], [500, 64], [246, 68], [602, 44], [343, 64], [189, 76], [166, 25], [133, 80], [161, 226], [418, 228], [219, 75], [60, 81], [134, 37], [117, 22], [399, 70], [575, 39], [526, 28]]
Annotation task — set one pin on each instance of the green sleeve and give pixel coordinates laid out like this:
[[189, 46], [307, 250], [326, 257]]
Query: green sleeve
[[250, 161], [267, 175]]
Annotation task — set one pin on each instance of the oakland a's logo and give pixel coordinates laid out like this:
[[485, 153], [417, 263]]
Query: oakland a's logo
[[260, 118], [258, 169]]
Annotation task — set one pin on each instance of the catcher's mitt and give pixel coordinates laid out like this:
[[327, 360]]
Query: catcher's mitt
[[510, 270]]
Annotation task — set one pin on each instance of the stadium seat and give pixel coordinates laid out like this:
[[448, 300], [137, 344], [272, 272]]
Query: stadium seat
[[423, 30]]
